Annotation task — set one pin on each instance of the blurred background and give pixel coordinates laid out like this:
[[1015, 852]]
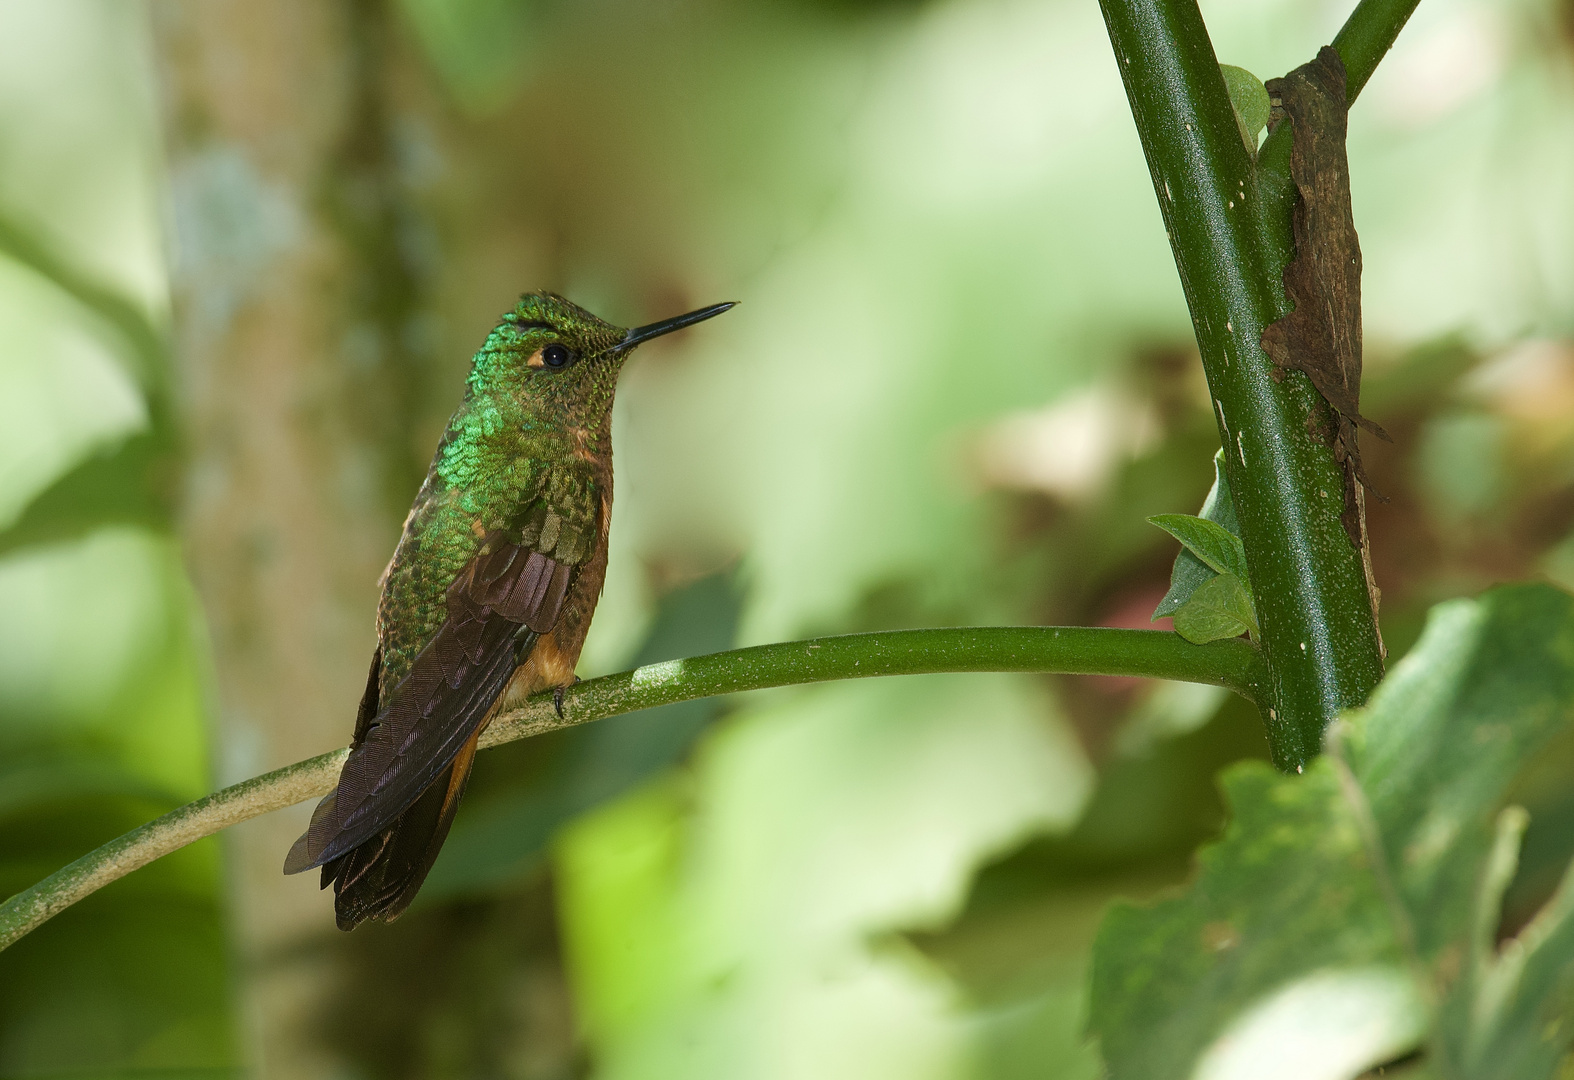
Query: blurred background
[[246, 251]]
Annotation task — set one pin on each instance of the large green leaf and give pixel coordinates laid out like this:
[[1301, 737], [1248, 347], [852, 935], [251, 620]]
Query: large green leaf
[[1349, 915]]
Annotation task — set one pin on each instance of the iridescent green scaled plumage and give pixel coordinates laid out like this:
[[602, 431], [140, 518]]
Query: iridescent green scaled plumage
[[488, 596]]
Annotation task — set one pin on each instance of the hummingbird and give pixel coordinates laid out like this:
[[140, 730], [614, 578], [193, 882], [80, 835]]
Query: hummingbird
[[487, 598]]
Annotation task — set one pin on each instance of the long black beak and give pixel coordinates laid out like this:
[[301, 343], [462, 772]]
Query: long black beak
[[667, 326]]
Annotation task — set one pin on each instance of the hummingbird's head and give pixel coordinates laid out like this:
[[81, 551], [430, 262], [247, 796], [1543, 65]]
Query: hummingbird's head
[[555, 353]]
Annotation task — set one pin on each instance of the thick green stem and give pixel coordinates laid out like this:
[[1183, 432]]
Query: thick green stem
[[1319, 635], [1045, 649]]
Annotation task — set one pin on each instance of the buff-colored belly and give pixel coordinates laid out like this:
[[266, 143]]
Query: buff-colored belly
[[545, 667]]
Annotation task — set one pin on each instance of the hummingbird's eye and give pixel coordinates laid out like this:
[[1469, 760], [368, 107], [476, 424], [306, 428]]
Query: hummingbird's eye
[[557, 356]]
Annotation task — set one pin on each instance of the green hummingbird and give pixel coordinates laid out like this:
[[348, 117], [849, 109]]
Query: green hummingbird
[[487, 598]]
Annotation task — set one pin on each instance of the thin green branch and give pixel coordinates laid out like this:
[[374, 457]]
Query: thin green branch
[[1366, 37], [1319, 635], [1362, 42], [32, 907], [1235, 664]]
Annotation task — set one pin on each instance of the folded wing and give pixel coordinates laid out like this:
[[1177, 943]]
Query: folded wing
[[389, 809]]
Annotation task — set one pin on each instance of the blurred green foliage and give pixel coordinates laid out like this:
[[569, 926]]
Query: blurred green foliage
[[102, 699], [961, 378]]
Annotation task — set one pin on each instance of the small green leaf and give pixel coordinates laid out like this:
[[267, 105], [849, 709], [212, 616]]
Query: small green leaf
[[1249, 98], [1219, 608], [1219, 506], [1190, 571], [1218, 548]]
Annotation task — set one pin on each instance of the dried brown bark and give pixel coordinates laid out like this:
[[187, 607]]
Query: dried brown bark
[[1322, 335]]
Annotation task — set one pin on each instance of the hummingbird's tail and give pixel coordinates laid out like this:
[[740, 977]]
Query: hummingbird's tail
[[378, 879]]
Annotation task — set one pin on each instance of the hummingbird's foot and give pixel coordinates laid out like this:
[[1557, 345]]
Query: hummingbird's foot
[[557, 696]]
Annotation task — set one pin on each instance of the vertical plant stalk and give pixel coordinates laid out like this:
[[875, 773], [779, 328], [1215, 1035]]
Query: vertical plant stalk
[[1319, 634]]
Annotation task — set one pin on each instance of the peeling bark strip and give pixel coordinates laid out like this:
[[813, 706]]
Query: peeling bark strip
[[1322, 335]]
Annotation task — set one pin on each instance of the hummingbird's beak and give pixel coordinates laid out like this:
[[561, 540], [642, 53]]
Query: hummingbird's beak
[[667, 326]]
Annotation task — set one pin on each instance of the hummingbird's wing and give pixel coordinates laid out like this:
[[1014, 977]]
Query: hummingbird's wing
[[504, 598]]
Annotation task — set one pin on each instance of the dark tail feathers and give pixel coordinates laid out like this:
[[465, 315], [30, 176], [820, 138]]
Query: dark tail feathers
[[378, 879]]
